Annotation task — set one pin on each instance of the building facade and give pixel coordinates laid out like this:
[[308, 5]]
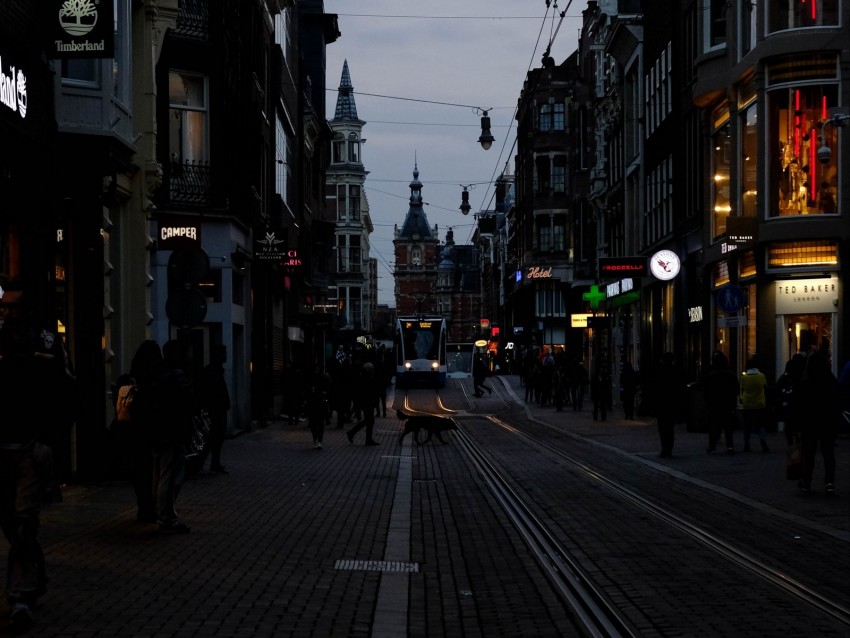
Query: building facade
[[355, 278]]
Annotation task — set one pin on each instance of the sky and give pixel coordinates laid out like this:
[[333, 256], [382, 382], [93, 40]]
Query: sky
[[447, 60]]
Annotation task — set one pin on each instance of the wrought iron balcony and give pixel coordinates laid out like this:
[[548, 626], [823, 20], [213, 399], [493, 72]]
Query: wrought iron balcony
[[194, 19], [189, 183]]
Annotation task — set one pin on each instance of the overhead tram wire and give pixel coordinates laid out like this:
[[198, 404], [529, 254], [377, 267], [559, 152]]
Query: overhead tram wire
[[562, 15]]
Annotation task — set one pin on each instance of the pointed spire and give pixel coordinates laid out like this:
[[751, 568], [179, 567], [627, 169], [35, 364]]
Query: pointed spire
[[416, 222], [346, 109]]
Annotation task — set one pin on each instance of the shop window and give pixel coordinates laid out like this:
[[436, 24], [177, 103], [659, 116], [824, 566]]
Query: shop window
[[558, 116], [353, 148], [187, 96], [354, 203], [800, 182], [549, 301], [748, 334], [282, 170], [338, 149], [559, 173], [715, 25], [796, 254], [747, 24], [720, 274], [721, 158], [801, 14], [749, 161], [545, 118], [747, 265], [544, 235]]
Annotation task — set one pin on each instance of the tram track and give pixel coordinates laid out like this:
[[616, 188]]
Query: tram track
[[567, 576], [596, 614]]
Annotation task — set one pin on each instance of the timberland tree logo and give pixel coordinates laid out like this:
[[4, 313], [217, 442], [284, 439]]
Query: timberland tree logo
[[13, 89], [78, 18]]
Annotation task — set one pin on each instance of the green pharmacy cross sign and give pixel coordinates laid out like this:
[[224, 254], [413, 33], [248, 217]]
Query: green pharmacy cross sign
[[594, 296]]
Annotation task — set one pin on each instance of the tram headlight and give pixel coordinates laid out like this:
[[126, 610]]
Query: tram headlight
[[407, 365], [435, 365]]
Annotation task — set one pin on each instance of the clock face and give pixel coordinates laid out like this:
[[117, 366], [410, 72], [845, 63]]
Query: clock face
[[664, 264]]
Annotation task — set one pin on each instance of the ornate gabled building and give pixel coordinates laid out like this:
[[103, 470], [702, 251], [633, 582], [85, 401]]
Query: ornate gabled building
[[433, 278], [458, 289], [416, 253], [344, 191]]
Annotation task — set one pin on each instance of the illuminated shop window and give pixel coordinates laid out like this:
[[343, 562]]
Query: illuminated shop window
[[747, 265], [749, 161], [796, 254], [720, 274], [801, 14], [721, 158], [801, 183]]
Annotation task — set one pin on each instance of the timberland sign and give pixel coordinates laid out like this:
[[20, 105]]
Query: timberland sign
[[80, 28]]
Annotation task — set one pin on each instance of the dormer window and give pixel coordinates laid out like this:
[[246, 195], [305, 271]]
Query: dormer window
[[353, 148]]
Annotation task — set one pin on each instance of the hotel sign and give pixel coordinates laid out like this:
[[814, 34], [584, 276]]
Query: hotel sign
[[80, 29], [803, 296]]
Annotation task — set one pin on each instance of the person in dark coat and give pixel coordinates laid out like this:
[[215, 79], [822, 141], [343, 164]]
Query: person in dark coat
[[600, 392], [366, 397], [214, 397], [171, 428], [147, 358], [668, 390], [628, 389], [29, 366], [479, 373], [818, 394], [720, 390], [318, 404], [786, 387]]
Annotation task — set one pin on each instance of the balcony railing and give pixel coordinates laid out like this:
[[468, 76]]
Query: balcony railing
[[189, 183], [193, 19]]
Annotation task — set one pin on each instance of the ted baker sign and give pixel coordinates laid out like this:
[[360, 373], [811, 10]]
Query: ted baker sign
[[797, 296]]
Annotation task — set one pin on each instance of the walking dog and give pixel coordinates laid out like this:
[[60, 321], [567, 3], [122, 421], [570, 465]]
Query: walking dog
[[433, 425]]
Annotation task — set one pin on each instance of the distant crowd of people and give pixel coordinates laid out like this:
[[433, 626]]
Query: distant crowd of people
[[353, 386]]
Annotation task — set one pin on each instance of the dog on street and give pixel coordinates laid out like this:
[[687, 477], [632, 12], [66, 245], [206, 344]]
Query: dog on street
[[433, 425]]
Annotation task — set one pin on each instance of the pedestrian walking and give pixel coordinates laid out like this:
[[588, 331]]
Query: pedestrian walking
[[787, 407], [578, 382], [754, 403], [26, 369], [147, 359], [214, 397], [383, 377], [479, 373], [628, 389], [318, 404], [600, 391], [720, 391], [668, 390], [171, 413], [820, 401], [365, 397]]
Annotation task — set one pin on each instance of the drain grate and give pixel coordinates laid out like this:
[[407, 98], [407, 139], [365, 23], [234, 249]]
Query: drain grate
[[376, 566]]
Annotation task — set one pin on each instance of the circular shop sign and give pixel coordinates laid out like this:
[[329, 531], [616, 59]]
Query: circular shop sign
[[665, 264]]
